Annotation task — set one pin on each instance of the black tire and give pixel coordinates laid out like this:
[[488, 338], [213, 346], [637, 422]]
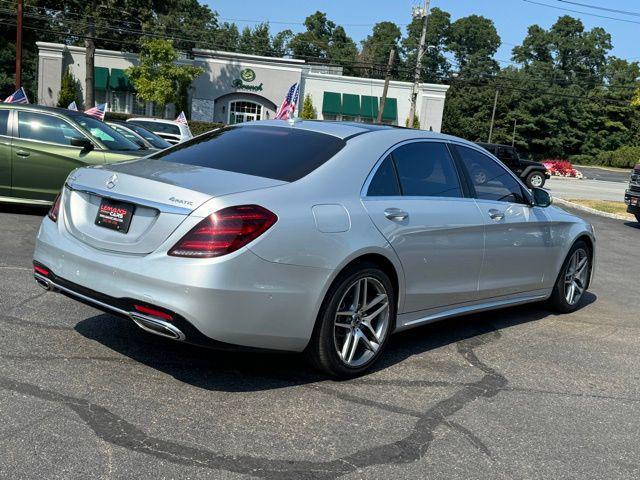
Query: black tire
[[637, 217], [535, 179], [558, 301], [322, 351]]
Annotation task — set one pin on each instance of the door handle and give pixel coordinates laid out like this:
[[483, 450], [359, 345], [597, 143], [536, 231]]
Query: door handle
[[496, 214], [22, 153], [395, 214]]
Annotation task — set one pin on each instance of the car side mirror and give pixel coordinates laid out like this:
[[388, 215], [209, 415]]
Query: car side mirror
[[85, 143], [541, 197]]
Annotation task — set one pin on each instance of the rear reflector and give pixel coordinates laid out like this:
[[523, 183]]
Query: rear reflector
[[224, 232], [55, 209], [40, 270], [153, 312]]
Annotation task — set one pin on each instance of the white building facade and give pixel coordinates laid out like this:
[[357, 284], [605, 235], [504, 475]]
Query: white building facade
[[238, 88]]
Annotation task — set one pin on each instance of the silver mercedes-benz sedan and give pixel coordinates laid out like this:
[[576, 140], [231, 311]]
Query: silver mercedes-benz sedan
[[309, 236]]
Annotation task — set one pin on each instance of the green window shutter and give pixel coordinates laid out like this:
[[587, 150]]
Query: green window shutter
[[119, 81], [100, 78], [332, 103], [369, 107], [350, 105], [390, 112]]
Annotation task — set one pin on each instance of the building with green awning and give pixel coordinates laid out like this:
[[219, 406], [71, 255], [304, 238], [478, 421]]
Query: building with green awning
[[241, 87]]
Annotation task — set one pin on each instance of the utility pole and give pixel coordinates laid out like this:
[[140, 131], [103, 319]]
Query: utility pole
[[513, 139], [19, 46], [383, 100], [424, 14], [493, 115], [89, 57]]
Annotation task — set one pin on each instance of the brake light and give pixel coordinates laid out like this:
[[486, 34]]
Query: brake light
[[224, 232], [152, 311], [55, 209], [41, 270]]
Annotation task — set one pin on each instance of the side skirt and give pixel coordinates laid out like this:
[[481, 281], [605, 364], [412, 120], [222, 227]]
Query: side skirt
[[410, 320]]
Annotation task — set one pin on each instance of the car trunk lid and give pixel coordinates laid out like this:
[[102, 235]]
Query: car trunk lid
[[160, 194]]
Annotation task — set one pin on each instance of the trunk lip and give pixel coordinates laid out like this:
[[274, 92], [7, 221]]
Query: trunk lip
[[162, 207]]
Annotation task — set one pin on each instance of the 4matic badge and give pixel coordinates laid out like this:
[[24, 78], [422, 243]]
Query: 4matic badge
[[181, 202]]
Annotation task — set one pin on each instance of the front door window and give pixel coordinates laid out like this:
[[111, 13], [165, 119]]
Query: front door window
[[242, 111]]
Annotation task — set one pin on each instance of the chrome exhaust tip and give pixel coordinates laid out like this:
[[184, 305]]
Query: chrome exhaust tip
[[157, 326], [44, 284]]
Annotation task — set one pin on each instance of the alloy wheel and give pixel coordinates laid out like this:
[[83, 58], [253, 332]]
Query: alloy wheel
[[362, 321], [536, 181], [575, 277]]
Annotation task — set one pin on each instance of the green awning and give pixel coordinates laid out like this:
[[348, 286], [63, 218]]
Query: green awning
[[350, 105], [390, 112], [119, 81], [100, 78], [369, 107], [331, 103]]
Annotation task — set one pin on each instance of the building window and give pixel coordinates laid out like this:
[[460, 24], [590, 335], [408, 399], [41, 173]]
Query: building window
[[100, 96], [243, 111], [118, 102], [139, 106]]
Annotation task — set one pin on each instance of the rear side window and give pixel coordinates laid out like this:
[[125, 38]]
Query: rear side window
[[385, 181], [158, 127], [286, 154], [426, 169], [4, 122], [490, 180]]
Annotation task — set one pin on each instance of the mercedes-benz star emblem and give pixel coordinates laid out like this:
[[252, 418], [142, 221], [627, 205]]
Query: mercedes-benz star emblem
[[111, 181]]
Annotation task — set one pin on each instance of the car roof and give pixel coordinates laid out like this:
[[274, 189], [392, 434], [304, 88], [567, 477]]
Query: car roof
[[347, 130], [43, 108], [151, 119]]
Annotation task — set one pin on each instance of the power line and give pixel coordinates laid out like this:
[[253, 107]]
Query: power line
[[604, 9], [581, 12]]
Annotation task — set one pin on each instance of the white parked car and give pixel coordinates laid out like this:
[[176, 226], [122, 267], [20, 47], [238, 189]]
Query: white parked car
[[172, 131]]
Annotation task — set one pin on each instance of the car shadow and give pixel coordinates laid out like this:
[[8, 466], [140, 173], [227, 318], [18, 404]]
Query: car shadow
[[248, 371], [635, 225], [34, 210]]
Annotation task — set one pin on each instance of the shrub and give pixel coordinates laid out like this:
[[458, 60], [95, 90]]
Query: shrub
[[202, 127], [69, 90], [560, 168], [625, 157], [582, 159]]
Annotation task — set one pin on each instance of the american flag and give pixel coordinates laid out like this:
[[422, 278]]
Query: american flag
[[182, 118], [19, 96], [98, 111], [73, 106], [285, 112]]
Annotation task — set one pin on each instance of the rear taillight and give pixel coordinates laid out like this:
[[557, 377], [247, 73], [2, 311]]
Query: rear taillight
[[55, 209], [224, 232], [152, 311]]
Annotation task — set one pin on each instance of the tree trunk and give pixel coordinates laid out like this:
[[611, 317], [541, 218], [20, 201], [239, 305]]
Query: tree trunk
[[90, 46]]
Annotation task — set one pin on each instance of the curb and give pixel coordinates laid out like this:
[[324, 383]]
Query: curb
[[562, 201]]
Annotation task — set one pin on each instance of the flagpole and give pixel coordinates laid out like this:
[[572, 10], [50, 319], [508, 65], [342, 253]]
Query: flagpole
[[19, 46]]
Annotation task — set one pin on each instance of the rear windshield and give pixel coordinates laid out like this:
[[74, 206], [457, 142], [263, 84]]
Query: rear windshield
[[158, 126], [286, 154]]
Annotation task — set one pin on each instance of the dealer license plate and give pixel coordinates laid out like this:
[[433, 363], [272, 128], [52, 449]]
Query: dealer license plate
[[115, 215]]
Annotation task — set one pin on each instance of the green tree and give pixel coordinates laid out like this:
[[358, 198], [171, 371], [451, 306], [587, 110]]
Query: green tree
[[474, 40], [342, 50], [314, 42], [435, 65], [308, 111], [280, 43], [157, 78], [376, 47], [69, 90]]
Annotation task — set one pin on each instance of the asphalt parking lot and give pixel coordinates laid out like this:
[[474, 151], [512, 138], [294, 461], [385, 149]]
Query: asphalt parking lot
[[519, 393]]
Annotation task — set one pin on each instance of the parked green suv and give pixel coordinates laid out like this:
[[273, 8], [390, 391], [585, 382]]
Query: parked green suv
[[39, 146]]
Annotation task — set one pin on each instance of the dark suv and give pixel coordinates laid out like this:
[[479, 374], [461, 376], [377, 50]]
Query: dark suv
[[632, 196], [534, 174]]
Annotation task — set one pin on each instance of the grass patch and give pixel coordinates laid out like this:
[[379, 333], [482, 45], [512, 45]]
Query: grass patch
[[618, 208]]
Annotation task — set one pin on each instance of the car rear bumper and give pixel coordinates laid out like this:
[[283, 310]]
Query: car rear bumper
[[240, 299], [632, 199]]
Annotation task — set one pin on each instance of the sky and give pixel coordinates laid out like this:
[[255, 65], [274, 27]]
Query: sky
[[511, 17]]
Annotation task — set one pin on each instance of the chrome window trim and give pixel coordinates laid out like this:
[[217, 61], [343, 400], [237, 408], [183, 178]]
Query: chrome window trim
[[365, 188]]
